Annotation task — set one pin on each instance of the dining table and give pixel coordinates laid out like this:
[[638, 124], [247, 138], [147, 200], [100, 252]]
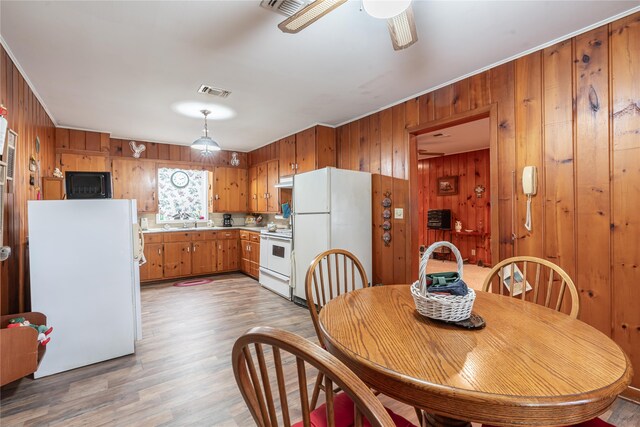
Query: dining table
[[529, 365]]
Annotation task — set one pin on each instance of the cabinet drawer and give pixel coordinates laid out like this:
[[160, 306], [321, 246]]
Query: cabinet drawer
[[244, 235], [254, 237], [178, 237], [228, 235], [205, 235], [153, 237]]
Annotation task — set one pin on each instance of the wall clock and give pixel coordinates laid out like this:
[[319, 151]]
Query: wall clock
[[180, 179]]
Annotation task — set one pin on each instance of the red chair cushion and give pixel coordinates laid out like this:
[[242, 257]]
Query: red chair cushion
[[344, 414], [596, 422]]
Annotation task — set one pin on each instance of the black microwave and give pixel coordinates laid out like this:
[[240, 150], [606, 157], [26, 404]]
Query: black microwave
[[88, 185]]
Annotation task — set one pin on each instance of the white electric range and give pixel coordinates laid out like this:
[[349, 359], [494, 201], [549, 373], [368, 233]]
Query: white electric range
[[275, 261]]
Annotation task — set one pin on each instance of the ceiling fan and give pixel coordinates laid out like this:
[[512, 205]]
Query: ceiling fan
[[398, 13]]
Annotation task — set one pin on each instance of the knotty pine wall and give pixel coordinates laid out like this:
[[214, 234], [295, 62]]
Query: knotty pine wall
[[472, 169], [29, 120], [572, 110]]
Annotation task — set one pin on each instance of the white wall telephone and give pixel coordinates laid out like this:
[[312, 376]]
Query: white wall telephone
[[529, 188]]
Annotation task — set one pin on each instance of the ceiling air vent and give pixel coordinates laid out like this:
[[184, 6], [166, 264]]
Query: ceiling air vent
[[215, 91], [284, 7]]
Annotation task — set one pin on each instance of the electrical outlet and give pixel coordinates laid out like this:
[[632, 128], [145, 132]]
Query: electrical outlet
[[398, 213], [473, 251]]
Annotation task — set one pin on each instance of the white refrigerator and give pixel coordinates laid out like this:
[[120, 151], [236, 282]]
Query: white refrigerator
[[84, 264], [332, 210]]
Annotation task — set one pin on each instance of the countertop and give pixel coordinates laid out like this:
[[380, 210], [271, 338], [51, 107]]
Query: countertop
[[193, 229]]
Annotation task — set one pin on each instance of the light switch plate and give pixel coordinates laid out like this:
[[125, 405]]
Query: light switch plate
[[398, 213]]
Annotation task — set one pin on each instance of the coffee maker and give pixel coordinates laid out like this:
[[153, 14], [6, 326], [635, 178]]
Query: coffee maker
[[226, 220]]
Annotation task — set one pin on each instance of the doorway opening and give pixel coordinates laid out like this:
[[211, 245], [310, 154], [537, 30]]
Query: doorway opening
[[453, 189]]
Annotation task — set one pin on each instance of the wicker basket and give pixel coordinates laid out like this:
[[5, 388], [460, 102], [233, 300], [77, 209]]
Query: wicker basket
[[450, 308]]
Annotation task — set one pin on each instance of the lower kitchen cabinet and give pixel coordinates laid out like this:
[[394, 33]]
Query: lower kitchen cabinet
[[177, 259], [153, 268], [227, 255], [250, 253], [203, 257]]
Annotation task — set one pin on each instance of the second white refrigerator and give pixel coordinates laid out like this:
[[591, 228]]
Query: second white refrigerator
[[332, 210]]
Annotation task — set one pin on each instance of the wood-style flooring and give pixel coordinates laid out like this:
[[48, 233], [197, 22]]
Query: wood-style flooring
[[181, 373]]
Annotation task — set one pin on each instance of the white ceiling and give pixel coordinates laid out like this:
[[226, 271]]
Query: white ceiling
[[469, 136], [120, 66]]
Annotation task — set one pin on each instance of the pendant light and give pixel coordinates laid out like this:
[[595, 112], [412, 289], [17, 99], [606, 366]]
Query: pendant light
[[205, 143]]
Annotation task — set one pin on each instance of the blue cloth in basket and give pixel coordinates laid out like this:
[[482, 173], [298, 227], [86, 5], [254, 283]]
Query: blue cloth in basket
[[448, 283]]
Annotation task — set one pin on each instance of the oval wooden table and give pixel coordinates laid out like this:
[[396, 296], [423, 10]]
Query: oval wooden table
[[529, 366]]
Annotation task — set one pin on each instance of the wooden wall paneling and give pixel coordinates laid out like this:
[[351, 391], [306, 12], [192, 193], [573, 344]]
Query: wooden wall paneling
[[479, 90], [399, 196], [625, 200], [443, 101], [412, 199], [374, 143], [77, 139], [105, 142], [151, 151], [342, 147], [92, 141], [115, 147], [399, 141], [354, 145], [164, 152], [461, 94], [174, 153], [558, 164], [376, 229], [411, 112], [593, 216], [364, 145], [502, 92], [426, 108], [386, 142], [528, 108], [185, 153], [325, 146], [62, 138]]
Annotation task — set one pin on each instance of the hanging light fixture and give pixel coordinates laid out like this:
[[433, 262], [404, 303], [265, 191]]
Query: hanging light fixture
[[205, 143]]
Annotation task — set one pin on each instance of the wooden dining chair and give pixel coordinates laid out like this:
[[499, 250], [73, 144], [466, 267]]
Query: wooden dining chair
[[263, 350], [330, 274], [546, 283]]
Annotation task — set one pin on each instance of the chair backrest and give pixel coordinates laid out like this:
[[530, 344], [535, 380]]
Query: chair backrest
[[289, 354], [330, 274], [546, 283]]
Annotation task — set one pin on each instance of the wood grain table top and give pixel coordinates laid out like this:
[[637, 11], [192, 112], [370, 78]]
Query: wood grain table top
[[529, 366]]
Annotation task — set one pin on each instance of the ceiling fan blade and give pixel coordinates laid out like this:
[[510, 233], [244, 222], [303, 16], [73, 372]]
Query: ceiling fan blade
[[308, 15], [402, 29]]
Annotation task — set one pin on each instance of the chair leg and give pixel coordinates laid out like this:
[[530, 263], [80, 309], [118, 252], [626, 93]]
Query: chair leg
[[420, 417], [316, 391]]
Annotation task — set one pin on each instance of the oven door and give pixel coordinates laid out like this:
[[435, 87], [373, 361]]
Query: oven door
[[279, 255]]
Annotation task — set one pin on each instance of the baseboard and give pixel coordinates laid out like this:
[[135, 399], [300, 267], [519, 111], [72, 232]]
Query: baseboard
[[631, 394]]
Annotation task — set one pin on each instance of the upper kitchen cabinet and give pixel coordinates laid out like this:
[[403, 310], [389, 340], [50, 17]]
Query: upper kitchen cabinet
[[228, 188], [83, 163], [136, 179], [311, 149], [253, 189], [266, 197]]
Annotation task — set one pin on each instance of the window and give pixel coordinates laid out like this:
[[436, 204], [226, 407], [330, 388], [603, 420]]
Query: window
[[182, 195]]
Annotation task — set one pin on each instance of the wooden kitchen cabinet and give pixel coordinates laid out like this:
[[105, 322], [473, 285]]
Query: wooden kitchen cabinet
[[250, 253], [154, 267], [267, 177], [227, 255], [83, 163], [203, 257], [177, 259], [52, 188], [136, 179], [313, 148], [253, 189], [228, 190]]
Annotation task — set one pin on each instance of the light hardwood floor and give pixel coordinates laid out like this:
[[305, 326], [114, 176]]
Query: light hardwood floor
[[181, 373]]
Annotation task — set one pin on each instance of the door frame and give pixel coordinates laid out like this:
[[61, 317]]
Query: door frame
[[490, 111]]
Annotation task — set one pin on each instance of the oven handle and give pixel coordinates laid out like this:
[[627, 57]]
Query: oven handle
[[284, 239]]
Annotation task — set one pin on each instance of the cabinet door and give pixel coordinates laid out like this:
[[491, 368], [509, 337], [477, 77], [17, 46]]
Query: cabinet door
[[153, 269], [220, 202], [136, 179], [306, 150], [177, 259], [203, 257], [273, 195], [253, 189], [228, 256], [262, 187], [83, 163], [245, 250], [210, 192], [287, 155], [236, 189], [254, 252]]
